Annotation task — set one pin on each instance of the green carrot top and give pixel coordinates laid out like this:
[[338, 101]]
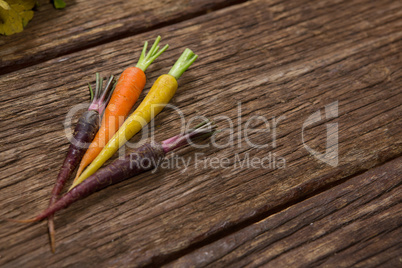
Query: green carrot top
[[147, 58], [182, 64]]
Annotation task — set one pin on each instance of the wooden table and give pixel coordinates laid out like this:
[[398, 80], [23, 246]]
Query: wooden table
[[275, 63]]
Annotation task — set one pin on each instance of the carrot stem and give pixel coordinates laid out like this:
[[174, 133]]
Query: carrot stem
[[147, 58], [96, 86], [204, 129], [182, 64], [91, 91], [98, 98]]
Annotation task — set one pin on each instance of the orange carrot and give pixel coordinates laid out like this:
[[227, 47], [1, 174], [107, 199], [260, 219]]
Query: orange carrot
[[128, 88]]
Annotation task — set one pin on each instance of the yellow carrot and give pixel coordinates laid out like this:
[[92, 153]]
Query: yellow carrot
[[160, 94]]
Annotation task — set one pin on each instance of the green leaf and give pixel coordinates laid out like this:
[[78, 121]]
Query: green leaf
[[4, 5], [59, 4], [16, 17]]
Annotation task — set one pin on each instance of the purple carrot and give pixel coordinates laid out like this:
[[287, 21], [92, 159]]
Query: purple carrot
[[143, 158], [84, 133]]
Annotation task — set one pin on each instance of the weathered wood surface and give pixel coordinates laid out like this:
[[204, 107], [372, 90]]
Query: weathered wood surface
[[277, 58], [86, 23], [355, 224]]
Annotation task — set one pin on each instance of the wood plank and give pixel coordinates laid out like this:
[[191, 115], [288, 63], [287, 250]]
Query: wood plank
[[277, 58], [357, 223], [86, 23]]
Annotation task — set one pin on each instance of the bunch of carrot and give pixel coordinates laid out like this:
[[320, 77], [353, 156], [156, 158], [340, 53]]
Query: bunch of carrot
[[115, 103]]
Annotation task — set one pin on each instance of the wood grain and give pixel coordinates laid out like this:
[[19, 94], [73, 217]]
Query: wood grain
[[281, 58], [355, 224], [86, 23]]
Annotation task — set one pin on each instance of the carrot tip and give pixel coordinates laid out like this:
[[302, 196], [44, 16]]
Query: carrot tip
[[52, 234], [23, 221], [53, 242]]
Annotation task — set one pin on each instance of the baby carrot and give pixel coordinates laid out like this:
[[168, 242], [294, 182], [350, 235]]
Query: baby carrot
[[128, 88], [84, 132], [160, 94]]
